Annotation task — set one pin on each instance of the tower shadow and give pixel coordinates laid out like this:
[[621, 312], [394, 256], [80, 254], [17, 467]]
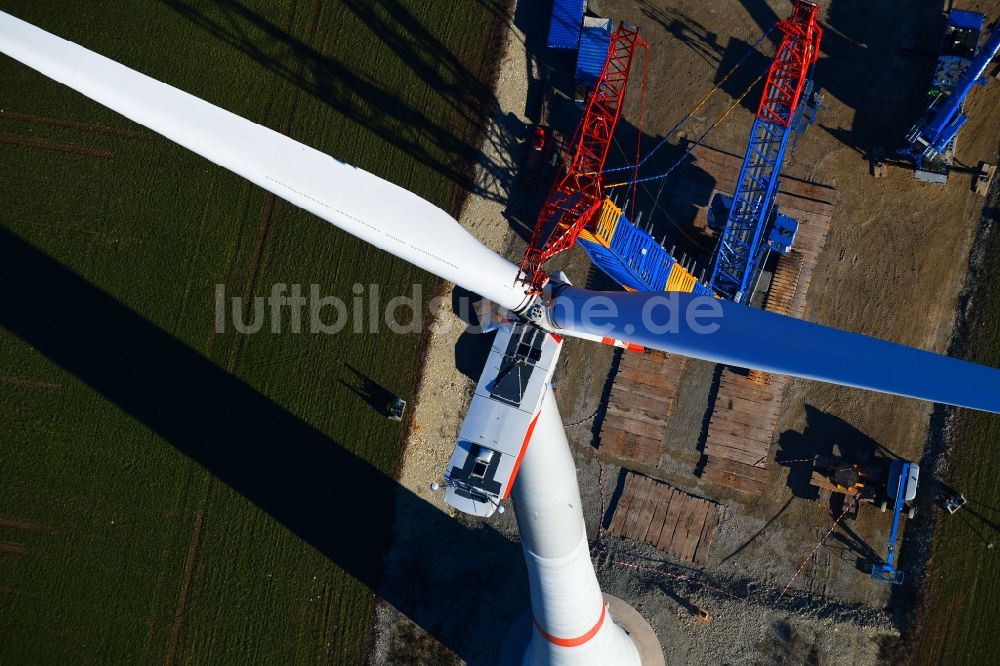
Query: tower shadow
[[338, 503]]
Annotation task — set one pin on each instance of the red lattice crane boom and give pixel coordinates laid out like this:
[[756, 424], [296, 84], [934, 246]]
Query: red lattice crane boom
[[578, 189], [787, 77]]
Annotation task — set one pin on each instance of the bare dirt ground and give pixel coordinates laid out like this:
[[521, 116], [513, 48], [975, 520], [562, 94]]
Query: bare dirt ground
[[893, 266]]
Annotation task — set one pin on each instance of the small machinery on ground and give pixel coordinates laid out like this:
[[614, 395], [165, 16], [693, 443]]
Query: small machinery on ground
[[953, 502], [882, 482], [395, 409]]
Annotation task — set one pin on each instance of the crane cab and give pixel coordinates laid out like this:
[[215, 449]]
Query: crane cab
[[497, 428]]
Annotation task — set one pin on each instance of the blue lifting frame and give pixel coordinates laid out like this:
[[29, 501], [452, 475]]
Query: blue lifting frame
[[635, 260]]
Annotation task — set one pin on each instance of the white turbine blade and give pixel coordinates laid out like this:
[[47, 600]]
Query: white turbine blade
[[737, 335], [383, 214]]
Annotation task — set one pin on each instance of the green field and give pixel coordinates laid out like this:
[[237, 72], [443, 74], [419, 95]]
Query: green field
[[959, 623], [169, 494]]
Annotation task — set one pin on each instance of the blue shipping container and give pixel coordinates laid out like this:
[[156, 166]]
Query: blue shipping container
[[595, 39], [564, 28], [963, 19]]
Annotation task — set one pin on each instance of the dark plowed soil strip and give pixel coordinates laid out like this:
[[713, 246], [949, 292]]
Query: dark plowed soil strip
[[70, 124], [18, 524], [71, 148], [192, 556], [33, 383], [13, 548]]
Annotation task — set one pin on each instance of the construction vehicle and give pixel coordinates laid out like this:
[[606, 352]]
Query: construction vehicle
[[953, 502], [749, 223], [882, 482], [961, 66], [395, 409]]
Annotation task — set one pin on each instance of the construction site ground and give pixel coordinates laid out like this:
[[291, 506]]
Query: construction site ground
[[894, 262]]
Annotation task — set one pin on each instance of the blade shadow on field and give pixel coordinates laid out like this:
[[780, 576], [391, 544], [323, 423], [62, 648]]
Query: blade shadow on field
[[291, 470], [447, 146]]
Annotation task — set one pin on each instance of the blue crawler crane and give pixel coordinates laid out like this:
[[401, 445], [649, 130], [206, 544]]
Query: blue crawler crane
[[961, 66], [784, 108]]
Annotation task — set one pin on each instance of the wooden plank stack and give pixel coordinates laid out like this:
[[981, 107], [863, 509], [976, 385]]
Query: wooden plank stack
[[745, 412], [679, 524], [740, 431], [642, 397]]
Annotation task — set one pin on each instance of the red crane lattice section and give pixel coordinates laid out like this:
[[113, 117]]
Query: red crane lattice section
[[787, 77], [578, 189]]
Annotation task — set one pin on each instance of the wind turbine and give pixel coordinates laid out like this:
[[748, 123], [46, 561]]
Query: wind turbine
[[571, 623]]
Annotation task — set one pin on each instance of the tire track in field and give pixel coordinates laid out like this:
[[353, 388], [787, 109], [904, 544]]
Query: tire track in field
[[13, 548], [27, 526], [249, 286], [70, 124], [33, 383], [189, 564], [58, 146]]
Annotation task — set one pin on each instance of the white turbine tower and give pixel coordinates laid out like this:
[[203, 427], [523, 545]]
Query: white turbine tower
[[571, 624]]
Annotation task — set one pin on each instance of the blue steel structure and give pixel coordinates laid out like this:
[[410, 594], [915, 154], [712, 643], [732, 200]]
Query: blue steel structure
[[633, 258], [565, 24], [751, 211], [738, 259], [934, 133]]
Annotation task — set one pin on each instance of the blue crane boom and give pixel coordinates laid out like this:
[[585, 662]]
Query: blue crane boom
[[901, 487], [934, 133], [751, 211]]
